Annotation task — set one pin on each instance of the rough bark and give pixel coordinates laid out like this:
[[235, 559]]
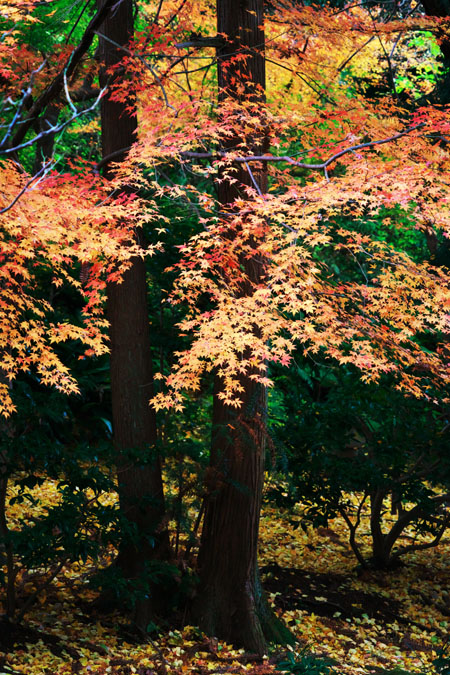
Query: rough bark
[[231, 603], [134, 425]]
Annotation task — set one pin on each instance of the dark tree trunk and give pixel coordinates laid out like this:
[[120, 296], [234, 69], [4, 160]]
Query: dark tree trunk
[[134, 426], [45, 145], [380, 548], [441, 8], [231, 603]]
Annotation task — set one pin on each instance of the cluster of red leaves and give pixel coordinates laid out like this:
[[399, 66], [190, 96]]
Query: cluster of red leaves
[[372, 322], [58, 223]]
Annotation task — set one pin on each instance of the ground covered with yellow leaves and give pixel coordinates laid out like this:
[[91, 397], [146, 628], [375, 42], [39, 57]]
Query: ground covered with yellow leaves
[[365, 622]]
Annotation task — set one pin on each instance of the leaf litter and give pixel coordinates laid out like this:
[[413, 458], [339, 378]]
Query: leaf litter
[[365, 621]]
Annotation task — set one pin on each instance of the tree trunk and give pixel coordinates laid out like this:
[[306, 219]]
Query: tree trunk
[[231, 603], [380, 552], [441, 8], [140, 484]]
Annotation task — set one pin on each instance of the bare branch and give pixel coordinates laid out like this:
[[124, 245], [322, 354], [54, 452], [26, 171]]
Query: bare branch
[[174, 16], [55, 87], [422, 547], [69, 100], [26, 96], [117, 154], [147, 65], [54, 129], [37, 177], [302, 165], [353, 54], [78, 19], [188, 154], [158, 11], [252, 178]]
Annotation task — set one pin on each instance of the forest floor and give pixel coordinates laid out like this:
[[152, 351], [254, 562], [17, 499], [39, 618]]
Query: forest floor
[[369, 622]]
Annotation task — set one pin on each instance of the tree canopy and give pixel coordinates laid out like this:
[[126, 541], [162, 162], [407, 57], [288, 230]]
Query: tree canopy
[[224, 262]]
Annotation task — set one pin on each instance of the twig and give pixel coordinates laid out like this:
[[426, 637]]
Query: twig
[[109, 158], [349, 58], [323, 166], [53, 129], [164, 662], [69, 100], [158, 12], [303, 165], [252, 178], [174, 16], [55, 87], [147, 65], [318, 91], [41, 173], [391, 69], [78, 19], [39, 590], [26, 96]]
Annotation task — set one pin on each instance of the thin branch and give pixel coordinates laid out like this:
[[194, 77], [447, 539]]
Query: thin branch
[[161, 86], [147, 65], [391, 68], [158, 12], [207, 66], [395, 45], [69, 100], [174, 16], [78, 19], [252, 178], [302, 165], [411, 471], [185, 199], [53, 129], [408, 516], [303, 78], [349, 58], [41, 173], [109, 158], [32, 598], [188, 154], [422, 547], [56, 86], [25, 97]]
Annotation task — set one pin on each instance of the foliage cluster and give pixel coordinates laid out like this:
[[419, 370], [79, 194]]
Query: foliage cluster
[[353, 294]]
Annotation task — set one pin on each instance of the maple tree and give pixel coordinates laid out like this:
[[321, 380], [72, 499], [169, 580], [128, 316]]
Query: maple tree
[[243, 350], [81, 228], [298, 173], [52, 222]]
